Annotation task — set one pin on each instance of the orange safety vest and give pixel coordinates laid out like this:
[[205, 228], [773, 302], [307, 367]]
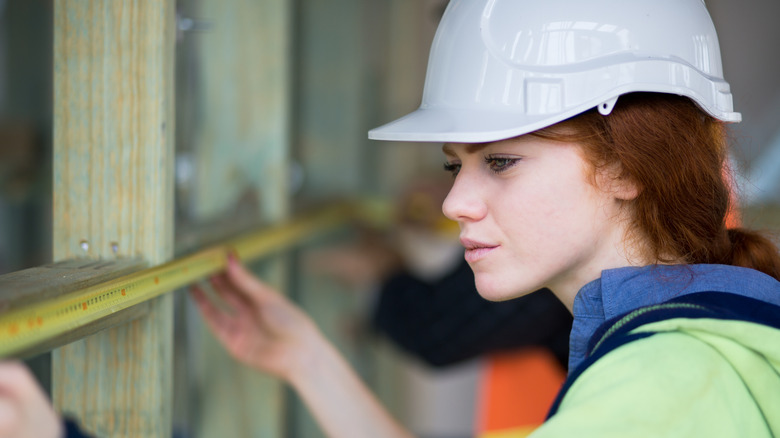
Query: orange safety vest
[[516, 390]]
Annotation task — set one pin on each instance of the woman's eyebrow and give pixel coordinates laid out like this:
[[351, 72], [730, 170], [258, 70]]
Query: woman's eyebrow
[[470, 148]]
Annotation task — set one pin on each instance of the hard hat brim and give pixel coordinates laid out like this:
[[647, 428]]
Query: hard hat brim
[[443, 125], [464, 126]]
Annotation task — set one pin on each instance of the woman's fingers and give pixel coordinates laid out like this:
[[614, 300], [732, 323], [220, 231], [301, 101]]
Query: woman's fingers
[[243, 280], [206, 308], [238, 303], [215, 317], [223, 287], [10, 416], [25, 411], [226, 327], [13, 375]]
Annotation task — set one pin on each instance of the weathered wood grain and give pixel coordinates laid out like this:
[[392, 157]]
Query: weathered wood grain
[[113, 181]]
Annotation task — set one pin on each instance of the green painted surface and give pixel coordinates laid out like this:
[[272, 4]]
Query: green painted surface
[[234, 133], [360, 64]]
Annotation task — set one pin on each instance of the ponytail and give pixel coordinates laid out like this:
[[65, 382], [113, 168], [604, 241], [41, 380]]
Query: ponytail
[[750, 249]]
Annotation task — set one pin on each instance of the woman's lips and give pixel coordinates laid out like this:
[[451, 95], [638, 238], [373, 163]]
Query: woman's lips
[[476, 251]]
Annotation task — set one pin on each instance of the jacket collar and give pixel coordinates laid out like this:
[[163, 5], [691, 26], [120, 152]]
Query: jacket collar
[[622, 290]]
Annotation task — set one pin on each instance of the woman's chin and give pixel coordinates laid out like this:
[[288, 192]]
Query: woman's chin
[[492, 291], [495, 294]]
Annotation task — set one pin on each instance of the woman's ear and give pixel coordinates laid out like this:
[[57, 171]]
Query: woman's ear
[[612, 180], [625, 189]]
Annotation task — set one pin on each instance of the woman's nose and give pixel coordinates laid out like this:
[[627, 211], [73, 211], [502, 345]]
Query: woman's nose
[[463, 203]]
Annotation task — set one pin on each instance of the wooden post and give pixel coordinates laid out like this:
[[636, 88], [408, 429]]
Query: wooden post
[[113, 197]]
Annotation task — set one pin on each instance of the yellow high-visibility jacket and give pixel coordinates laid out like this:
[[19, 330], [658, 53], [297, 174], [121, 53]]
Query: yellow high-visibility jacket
[[702, 365]]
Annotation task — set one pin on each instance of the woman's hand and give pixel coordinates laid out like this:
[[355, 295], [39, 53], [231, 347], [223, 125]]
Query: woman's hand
[[257, 325], [25, 410], [264, 330]]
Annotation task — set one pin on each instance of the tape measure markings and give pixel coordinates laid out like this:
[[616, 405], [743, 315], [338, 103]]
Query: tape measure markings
[[35, 323]]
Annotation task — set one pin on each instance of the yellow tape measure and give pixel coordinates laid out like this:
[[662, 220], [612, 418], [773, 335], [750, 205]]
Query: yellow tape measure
[[31, 325]]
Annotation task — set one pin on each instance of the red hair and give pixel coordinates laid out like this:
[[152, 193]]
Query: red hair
[[675, 154]]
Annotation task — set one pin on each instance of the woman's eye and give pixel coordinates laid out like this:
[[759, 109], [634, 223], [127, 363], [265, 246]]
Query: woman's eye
[[500, 164], [452, 168]]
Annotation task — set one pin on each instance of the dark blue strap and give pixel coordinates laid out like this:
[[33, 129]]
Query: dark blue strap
[[72, 430]]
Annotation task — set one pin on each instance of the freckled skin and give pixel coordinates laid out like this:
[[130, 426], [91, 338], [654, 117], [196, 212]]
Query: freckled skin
[[531, 201]]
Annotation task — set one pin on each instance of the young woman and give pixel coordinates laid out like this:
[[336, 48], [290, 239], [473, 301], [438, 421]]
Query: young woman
[[587, 141]]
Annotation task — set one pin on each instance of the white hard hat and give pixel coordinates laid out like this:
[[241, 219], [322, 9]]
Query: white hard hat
[[502, 68]]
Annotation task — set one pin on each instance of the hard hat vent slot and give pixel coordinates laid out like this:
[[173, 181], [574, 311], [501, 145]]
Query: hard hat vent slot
[[606, 108]]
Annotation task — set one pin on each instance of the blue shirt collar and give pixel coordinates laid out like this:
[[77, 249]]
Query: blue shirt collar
[[622, 290]]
